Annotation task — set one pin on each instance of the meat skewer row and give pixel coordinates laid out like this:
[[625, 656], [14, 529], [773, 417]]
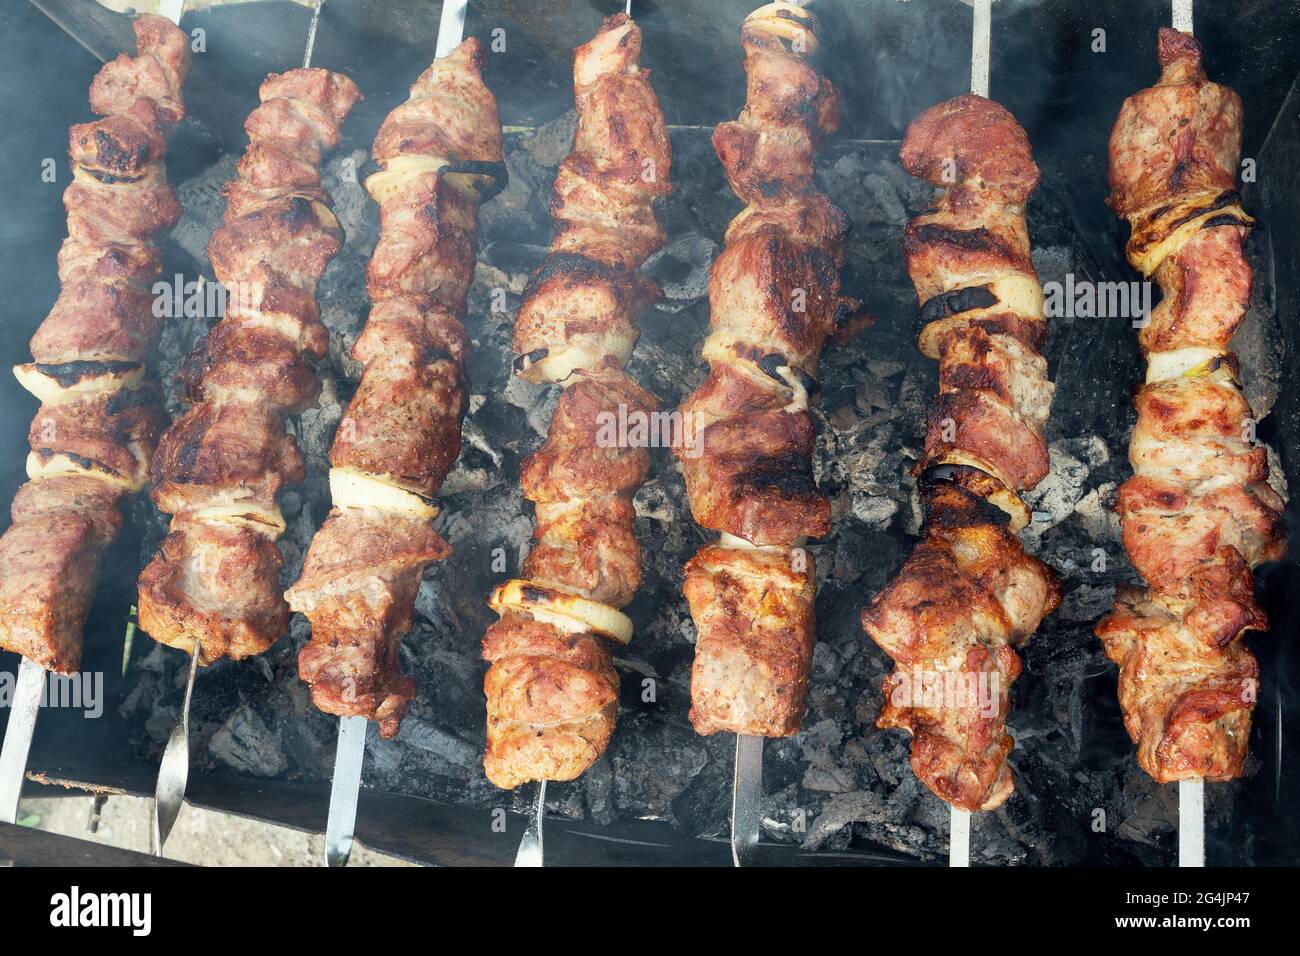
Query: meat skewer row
[[439, 155], [552, 691], [101, 414], [968, 595], [221, 466], [1198, 513], [774, 300]]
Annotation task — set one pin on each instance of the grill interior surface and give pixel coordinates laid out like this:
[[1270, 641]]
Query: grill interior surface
[[840, 786]]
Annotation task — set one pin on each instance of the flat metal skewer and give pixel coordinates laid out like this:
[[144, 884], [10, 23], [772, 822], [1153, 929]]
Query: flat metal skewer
[[746, 799], [958, 837], [979, 47], [26, 703], [172, 10], [345, 790], [18, 736], [174, 770], [1191, 793], [530, 851], [1191, 823], [959, 820], [451, 26], [311, 34], [350, 755]]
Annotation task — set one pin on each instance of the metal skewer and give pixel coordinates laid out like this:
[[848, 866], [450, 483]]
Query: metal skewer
[[350, 755], [959, 820], [172, 10], [18, 736], [1191, 822], [530, 847], [979, 47], [746, 799], [345, 790], [747, 778], [174, 769], [1191, 793], [958, 837], [530, 852], [311, 34], [26, 704], [451, 27]]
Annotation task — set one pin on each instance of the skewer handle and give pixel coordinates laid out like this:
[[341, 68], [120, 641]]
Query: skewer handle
[[958, 837], [23, 710], [1191, 823], [531, 851], [979, 48], [451, 26]]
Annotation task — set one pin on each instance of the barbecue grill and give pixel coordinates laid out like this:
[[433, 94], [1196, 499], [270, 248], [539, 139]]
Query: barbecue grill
[[840, 792]]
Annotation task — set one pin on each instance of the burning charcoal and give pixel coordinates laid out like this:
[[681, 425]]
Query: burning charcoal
[[1055, 497], [682, 270], [838, 815], [244, 743]]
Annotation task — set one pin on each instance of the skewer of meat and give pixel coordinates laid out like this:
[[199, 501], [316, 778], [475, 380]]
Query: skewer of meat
[[440, 156], [100, 417], [774, 300], [1198, 514], [214, 585], [968, 595], [552, 691]]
